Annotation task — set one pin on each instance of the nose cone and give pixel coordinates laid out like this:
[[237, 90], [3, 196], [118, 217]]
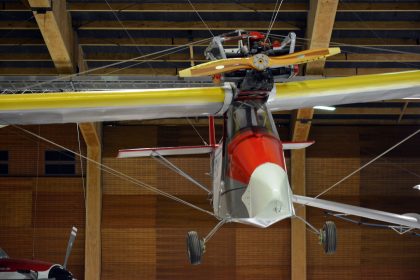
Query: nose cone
[[268, 197]]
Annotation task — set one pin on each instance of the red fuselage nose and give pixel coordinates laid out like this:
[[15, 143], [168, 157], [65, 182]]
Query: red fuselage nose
[[250, 149]]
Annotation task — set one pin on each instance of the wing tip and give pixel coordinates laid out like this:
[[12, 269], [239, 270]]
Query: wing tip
[[334, 51], [185, 73]]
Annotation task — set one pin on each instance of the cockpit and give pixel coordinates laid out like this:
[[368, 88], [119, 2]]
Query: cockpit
[[249, 115]]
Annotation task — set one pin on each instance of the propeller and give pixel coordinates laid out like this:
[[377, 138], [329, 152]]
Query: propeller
[[70, 245], [258, 62]]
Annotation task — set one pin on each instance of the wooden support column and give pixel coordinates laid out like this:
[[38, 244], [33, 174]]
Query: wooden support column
[[55, 25], [298, 234], [321, 19], [91, 134]]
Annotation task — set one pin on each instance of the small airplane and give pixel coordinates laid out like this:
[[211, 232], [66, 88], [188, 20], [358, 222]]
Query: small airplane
[[11, 268], [250, 183]]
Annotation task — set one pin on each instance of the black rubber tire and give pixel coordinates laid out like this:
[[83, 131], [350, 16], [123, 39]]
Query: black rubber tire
[[195, 248], [329, 237]]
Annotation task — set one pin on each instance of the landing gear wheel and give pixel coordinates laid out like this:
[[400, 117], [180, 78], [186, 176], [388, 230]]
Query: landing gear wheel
[[328, 237], [195, 247]]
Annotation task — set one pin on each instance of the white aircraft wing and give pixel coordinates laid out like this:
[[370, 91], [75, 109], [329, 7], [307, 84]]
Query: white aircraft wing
[[407, 220], [345, 90], [65, 107], [91, 106]]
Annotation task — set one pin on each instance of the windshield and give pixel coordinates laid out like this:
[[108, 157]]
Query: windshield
[[247, 115]]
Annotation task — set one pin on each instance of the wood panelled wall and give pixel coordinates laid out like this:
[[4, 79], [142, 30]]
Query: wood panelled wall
[[38, 212], [143, 235]]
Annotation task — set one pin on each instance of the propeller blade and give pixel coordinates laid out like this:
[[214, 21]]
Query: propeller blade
[[257, 62], [70, 245], [302, 57], [217, 67]]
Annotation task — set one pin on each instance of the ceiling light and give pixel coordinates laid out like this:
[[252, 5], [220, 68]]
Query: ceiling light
[[417, 187], [326, 108]]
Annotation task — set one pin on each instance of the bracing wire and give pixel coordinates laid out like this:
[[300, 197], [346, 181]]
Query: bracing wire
[[81, 163], [165, 53], [36, 195], [64, 77], [198, 14], [337, 44], [196, 131], [273, 21], [365, 165], [128, 34], [117, 173]]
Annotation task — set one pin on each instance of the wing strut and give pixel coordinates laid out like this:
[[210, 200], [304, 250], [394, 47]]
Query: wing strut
[[404, 220]]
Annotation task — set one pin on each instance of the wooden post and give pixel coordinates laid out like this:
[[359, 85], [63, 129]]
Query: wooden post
[[91, 134], [298, 235], [321, 19]]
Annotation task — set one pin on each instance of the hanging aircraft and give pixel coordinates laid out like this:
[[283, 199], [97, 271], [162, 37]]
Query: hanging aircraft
[[250, 183], [11, 268]]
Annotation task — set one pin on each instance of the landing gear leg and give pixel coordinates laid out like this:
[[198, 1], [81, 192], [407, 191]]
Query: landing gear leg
[[196, 247]]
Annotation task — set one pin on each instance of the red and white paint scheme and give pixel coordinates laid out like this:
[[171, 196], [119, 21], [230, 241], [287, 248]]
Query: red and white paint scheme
[[250, 183], [11, 268]]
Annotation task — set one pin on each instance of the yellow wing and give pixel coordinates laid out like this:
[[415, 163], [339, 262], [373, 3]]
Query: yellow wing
[[194, 102], [346, 90], [91, 106]]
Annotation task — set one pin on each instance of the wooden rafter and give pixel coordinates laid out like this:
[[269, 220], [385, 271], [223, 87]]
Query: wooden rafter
[[54, 23], [399, 6], [218, 25], [170, 42], [199, 58]]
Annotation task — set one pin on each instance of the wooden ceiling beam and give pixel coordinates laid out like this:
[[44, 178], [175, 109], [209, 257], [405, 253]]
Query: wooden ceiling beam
[[55, 26], [375, 57], [179, 57], [217, 25], [186, 7], [25, 57], [199, 58], [183, 57], [376, 25], [18, 25], [22, 42], [186, 25], [171, 42], [399, 6]]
